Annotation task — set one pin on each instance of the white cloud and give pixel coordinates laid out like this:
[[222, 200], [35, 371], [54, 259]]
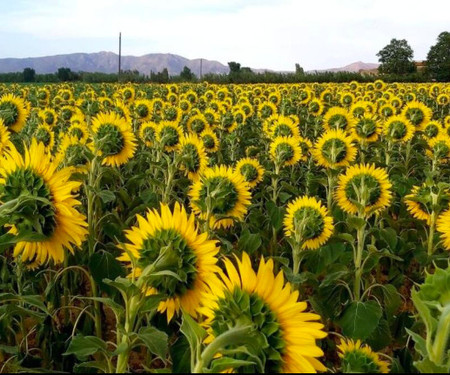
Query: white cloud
[[260, 34]]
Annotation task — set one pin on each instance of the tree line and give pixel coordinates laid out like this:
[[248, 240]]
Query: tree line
[[396, 65]]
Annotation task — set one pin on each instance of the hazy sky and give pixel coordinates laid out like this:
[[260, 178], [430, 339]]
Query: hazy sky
[[272, 34]]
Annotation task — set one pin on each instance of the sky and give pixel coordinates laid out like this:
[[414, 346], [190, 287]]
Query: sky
[[273, 34]]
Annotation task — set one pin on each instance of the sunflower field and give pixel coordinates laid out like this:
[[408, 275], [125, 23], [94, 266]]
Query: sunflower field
[[225, 228]]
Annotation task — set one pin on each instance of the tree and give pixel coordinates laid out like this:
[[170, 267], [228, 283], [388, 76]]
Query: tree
[[438, 58], [299, 70], [29, 75], [65, 74], [396, 58], [186, 74], [234, 67]]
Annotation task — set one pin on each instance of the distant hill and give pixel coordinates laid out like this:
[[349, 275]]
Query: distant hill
[[354, 67], [106, 62]]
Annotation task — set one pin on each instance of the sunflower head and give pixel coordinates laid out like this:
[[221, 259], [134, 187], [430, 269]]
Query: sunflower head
[[147, 133], [334, 149], [143, 109], [13, 112], [221, 194], [281, 336], [366, 129], [364, 189], [439, 147], [432, 129], [43, 207], [251, 170], [169, 135], [171, 243], [417, 113], [113, 138], [398, 129], [192, 154], [359, 358], [73, 153], [338, 118], [308, 222], [285, 151]]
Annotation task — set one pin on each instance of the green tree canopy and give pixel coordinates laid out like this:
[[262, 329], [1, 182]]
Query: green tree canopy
[[396, 58], [186, 74], [438, 59], [234, 67], [29, 75]]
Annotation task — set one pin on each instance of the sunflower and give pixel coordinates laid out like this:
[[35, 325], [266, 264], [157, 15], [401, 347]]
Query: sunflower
[[172, 242], [113, 138], [193, 159], [419, 204], [143, 109], [128, 94], [221, 194], [211, 117], [439, 147], [283, 333], [443, 99], [5, 142], [73, 153], [13, 112], [285, 150], [147, 133], [347, 99], [171, 113], [251, 170], [197, 124], [398, 129], [386, 111], [122, 110], [366, 129], [364, 189], [227, 122], [67, 112], [210, 140], [267, 109], [305, 146], [50, 216], [44, 134], [337, 118], [308, 222], [418, 113], [443, 226], [315, 107], [48, 116], [283, 126], [334, 149], [432, 129], [359, 358], [169, 135], [361, 108], [78, 128]]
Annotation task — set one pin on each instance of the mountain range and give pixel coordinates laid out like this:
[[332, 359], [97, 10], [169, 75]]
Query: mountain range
[[106, 62]]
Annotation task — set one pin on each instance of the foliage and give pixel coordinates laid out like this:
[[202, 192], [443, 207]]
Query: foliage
[[396, 58], [438, 58]]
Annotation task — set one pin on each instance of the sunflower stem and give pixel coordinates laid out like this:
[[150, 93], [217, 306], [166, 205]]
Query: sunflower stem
[[358, 260], [92, 238], [131, 309], [234, 336], [430, 245], [330, 178]]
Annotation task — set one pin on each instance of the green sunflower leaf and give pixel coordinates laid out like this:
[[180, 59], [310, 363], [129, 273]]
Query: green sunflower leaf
[[360, 319]]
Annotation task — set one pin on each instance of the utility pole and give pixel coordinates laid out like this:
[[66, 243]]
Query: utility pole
[[201, 67], [120, 55]]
